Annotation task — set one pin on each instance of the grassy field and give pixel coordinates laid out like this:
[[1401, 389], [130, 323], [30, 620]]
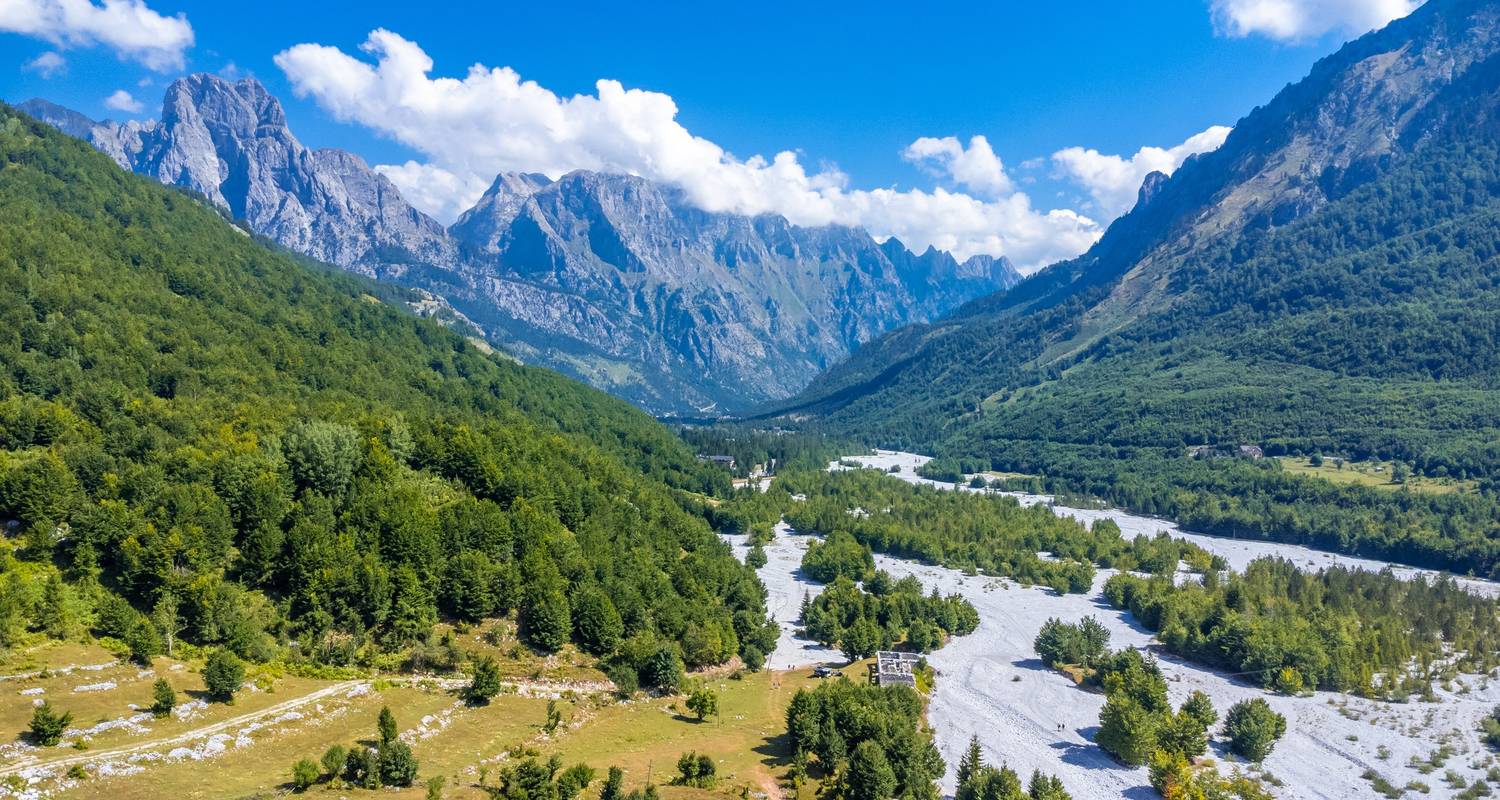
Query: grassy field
[[459, 736], [107, 697], [1376, 474], [645, 738], [246, 750]]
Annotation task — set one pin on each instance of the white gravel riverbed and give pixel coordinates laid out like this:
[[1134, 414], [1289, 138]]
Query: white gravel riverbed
[[992, 685]]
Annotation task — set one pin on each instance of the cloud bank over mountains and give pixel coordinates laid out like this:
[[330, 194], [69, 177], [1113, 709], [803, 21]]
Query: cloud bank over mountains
[[492, 120], [1114, 181]]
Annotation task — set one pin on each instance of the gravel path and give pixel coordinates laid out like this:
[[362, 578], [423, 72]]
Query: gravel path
[[222, 726]]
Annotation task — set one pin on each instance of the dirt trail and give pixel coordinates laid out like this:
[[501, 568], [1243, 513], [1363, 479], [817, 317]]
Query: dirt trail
[[532, 688], [179, 739]]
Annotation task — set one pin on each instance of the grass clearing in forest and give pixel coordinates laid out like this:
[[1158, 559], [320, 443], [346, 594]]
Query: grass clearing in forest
[[645, 738], [1374, 474]]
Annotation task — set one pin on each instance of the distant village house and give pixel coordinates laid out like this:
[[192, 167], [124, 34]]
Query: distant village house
[[1253, 452], [894, 669]]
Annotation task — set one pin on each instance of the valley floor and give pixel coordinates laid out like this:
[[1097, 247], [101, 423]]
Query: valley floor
[[1237, 552], [992, 685]]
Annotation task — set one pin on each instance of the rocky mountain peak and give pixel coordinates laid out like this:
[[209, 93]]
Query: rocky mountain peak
[[229, 142], [1150, 187], [242, 109]]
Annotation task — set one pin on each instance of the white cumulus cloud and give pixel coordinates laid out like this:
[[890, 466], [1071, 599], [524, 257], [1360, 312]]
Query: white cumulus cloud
[[1114, 181], [976, 167], [490, 120], [1293, 20], [46, 65], [129, 27], [433, 189], [122, 100]]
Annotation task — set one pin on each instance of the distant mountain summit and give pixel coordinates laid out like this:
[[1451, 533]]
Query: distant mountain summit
[[724, 309], [612, 278], [229, 142]]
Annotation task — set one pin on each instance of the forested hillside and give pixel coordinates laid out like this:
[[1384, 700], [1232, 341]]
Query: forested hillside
[[202, 438], [1325, 283]]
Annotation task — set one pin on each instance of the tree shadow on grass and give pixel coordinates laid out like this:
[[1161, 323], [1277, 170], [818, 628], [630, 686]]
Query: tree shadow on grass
[[204, 695], [776, 751]]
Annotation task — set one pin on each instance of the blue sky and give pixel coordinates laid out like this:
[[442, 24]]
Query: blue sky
[[848, 87]]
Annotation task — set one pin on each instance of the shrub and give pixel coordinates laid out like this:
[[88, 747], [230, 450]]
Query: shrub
[[1489, 728], [573, 780], [548, 620], [304, 774], [223, 674], [597, 622], [614, 785], [554, 717], [1199, 707], [1253, 728], [398, 767], [624, 676], [485, 684], [1085, 644], [47, 725], [1127, 730], [333, 760], [704, 702], [664, 670], [163, 698], [694, 769], [362, 767], [754, 659], [386, 726]]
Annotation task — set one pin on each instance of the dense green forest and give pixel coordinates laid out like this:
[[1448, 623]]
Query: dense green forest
[[1346, 630], [838, 555], [867, 741], [865, 509], [1257, 499], [774, 449], [884, 613], [1367, 329], [201, 439]]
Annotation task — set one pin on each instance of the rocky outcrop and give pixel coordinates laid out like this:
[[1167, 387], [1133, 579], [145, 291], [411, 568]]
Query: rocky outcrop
[[229, 142]]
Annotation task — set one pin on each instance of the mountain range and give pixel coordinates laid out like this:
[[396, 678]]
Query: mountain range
[[611, 278]]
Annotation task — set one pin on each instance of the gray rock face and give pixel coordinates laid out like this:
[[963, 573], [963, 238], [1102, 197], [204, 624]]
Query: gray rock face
[[614, 279], [723, 310], [229, 142]]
